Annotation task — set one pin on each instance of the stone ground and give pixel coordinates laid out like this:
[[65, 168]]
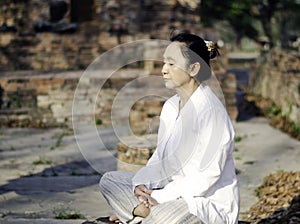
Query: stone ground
[[43, 173]]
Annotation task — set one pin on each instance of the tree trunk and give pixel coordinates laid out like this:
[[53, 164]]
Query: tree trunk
[[283, 31], [266, 24]]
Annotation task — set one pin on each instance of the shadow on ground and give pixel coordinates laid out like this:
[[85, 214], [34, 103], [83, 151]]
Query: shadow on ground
[[59, 178]]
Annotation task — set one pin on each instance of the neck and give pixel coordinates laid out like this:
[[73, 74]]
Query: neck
[[186, 91]]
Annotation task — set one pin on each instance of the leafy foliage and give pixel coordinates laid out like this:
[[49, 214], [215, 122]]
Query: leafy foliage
[[67, 213], [243, 15]]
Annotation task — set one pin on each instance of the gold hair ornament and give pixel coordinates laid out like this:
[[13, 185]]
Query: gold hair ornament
[[212, 48]]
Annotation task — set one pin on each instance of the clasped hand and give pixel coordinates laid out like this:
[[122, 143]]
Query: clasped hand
[[144, 196]]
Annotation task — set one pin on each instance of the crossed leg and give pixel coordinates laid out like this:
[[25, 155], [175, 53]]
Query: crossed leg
[[117, 189]]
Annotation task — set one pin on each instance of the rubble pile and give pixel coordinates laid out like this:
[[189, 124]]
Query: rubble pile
[[279, 200]]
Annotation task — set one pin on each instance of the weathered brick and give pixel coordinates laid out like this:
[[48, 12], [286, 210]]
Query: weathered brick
[[125, 158], [140, 161], [122, 147], [153, 103], [136, 116], [44, 101], [137, 152]]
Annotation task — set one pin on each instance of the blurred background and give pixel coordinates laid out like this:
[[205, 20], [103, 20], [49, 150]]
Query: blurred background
[[44, 36], [45, 46], [62, 35]]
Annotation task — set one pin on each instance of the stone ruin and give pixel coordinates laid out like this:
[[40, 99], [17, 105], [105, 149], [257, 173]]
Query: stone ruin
[[45, 45], [68, 35]]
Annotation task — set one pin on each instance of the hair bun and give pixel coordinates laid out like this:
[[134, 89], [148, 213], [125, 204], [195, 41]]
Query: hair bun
[[212, 49]]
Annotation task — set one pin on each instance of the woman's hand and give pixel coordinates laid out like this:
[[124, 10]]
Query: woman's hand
[[151, 202], [141, 190], [144, 195]]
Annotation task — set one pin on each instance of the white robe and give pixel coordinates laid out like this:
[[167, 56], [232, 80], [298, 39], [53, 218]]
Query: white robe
[[193, 159]]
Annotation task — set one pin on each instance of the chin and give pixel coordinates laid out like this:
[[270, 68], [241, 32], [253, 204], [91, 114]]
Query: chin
[[168, 86]]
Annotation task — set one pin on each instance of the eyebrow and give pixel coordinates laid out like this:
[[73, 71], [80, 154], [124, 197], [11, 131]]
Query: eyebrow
[[168, 58]]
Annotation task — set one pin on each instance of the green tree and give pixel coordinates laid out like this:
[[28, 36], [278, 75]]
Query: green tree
[[281, 11], [236, 12], [243, 15]]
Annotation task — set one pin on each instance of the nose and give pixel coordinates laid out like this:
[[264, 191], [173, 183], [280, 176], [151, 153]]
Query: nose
[[164, 70]]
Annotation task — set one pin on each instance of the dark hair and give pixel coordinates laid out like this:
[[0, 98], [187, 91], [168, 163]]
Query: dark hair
[[206, 50]]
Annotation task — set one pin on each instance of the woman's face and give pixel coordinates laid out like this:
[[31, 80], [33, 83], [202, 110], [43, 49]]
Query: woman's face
[[175, 66]]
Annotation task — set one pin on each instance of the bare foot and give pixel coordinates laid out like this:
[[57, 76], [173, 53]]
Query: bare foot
[[114, 218], [141, 210]]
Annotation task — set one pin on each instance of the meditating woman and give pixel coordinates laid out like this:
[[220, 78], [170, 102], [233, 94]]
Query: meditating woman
[[190, 178]]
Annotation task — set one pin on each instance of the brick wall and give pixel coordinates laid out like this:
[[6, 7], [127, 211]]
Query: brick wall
[[27, 49], [45, 99]]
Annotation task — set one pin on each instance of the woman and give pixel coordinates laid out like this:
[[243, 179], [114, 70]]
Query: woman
[[191, 177]]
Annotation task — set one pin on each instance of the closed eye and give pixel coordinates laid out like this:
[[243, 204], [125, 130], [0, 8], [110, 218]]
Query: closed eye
[[169, 63], [169, 60]]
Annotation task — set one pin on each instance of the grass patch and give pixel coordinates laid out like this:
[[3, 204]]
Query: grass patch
[[295, 129], [99, 121], [274, 111], [279, 170], [256, 192], [67, 213], [42, 161], [238, 138]]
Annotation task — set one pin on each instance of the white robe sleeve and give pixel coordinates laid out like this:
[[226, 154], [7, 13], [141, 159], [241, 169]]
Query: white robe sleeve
[[151, 175]]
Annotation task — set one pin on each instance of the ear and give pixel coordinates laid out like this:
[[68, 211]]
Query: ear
[[194, 69]]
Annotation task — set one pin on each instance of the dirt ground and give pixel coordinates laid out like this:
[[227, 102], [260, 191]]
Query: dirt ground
[[45, 178]]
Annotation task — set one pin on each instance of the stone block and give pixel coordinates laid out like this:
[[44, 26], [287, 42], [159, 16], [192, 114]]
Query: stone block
[[14, 85], [44, 101], [56, 109], [136, 116], [144, 153], [230, 100], [153, 103], [124, 157], [122, 147], [61, 95], [140, 161], [138, 106], [6, 39], [139, 128], [153, 111], [133, 153], [61, 120], [43, 89], [24, 117]]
